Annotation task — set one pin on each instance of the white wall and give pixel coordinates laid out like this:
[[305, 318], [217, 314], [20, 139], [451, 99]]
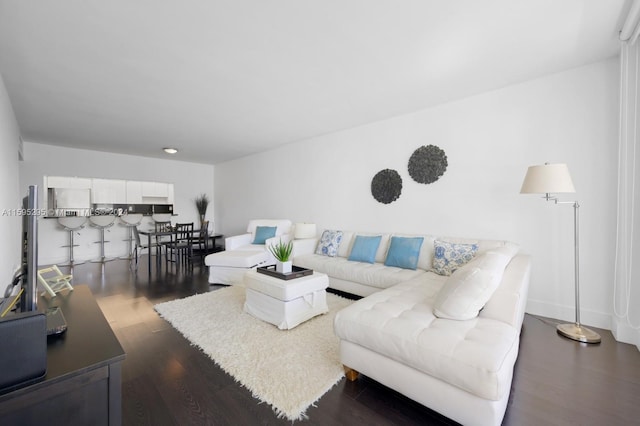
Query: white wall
[[10, 225], [490, 140], [189, 179]]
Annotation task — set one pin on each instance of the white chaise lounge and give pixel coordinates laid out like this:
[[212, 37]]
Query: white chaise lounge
[[247, 251]]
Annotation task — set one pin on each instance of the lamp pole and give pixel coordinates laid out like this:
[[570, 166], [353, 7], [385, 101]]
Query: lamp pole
[[576, 331]]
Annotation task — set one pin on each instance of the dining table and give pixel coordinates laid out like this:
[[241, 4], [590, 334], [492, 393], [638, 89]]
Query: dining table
[[152, 233]]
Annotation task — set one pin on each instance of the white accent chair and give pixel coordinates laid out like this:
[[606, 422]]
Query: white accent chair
[[241, 255]]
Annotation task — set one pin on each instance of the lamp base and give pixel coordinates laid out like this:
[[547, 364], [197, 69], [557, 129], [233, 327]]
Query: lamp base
[[579, 333]]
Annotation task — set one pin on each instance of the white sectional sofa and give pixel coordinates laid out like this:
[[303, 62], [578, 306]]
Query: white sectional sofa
[[403, 333]]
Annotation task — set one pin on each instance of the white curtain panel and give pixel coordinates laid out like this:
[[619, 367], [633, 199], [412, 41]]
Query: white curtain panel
[[626, 324]]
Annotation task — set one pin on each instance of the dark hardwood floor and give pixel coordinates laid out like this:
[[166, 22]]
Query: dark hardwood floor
[[166, 381]]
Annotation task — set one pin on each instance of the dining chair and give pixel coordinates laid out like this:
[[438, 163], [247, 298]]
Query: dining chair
[[180, 247], [162, 241], [200, 244], [140, 245]]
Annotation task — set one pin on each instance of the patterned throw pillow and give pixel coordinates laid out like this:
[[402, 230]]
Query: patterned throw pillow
[[329, 243], [448, 257]]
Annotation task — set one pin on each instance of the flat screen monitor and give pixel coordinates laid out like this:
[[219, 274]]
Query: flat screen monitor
[[29, 299], [22, 292]]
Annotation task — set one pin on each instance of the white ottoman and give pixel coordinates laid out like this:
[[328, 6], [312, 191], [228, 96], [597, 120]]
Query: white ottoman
[[285, 303], [228, 267]]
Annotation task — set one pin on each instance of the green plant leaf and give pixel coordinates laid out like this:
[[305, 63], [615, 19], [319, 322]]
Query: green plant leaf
[[282, 251]]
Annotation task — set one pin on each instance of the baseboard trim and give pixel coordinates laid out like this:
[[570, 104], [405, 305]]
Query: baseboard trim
[[568, 313], [623, 332]]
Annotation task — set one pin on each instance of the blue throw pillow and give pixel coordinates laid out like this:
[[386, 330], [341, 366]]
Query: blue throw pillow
[[364, 249], [263, 233], [404, 252]]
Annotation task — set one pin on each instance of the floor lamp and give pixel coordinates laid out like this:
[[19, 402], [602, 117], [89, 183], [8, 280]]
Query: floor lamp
[[550, 179]]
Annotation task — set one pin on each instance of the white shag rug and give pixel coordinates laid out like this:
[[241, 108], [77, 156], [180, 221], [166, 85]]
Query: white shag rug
[[288, 369]]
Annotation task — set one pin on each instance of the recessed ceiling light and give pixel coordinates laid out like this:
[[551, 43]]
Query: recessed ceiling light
[[170, 150]]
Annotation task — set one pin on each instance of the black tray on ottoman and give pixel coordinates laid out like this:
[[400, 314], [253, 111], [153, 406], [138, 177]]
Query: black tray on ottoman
[[296, 272]]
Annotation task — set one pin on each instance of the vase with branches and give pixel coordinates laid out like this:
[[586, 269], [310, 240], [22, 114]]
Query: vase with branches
[[202, 202]]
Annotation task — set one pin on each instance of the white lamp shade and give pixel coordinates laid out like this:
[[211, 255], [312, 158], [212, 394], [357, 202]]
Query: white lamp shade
[[305, 230], [547, 179]]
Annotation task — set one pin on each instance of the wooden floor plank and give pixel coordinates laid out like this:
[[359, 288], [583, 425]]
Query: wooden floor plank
[[167, 381]]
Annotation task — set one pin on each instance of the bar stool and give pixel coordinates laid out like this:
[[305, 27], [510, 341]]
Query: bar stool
[[102, 223], [161, 217], [130, 221], [72, 224]]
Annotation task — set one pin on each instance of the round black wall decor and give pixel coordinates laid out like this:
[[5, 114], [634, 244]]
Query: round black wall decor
[[386, 186], [427, 164]]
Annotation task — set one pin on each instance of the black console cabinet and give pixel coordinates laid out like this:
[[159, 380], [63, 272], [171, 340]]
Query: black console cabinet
[[83, 381]]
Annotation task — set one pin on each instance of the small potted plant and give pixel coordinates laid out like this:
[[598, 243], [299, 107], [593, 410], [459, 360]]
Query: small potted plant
[[282, 252]]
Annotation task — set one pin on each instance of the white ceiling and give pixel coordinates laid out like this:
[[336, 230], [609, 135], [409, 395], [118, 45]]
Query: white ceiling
[[223, 79]]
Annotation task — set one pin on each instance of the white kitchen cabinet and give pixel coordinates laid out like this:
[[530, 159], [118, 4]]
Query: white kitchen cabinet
[[67, 182], [114, 191], [155, 189], [170, 193], [53, 184], [134, 192], [108, 191], [57, 182]]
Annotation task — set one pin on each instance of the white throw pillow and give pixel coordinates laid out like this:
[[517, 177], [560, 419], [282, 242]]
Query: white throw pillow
[[471, 286], [345, 245]]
